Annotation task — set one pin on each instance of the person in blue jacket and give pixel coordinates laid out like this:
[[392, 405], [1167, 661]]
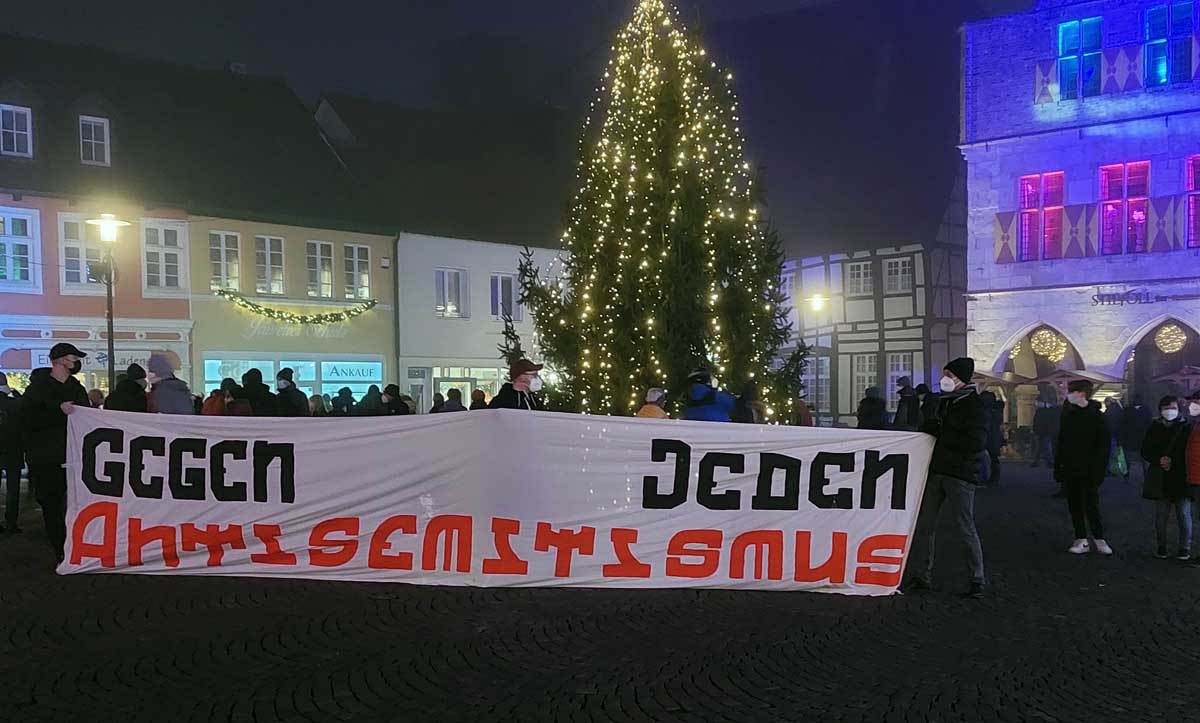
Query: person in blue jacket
[[705, 403]]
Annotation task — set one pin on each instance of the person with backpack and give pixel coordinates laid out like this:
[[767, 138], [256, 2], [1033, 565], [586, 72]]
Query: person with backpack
[[12, 458], [1165, 452]]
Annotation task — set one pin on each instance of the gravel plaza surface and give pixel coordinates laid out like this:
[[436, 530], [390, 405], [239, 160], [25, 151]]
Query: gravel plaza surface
[[1058, 638]]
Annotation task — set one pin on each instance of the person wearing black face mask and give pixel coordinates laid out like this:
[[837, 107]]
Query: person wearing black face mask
[[52, 394]]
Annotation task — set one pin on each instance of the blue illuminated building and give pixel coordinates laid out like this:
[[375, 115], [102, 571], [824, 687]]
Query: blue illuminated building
[[1081, 132]]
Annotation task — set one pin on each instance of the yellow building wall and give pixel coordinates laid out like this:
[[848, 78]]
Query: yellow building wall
[[337, 354]]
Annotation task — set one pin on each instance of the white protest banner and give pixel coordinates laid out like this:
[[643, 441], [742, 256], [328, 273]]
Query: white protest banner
[[494, 498]]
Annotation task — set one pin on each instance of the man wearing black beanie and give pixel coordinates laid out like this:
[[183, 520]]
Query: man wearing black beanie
[[960, 426]]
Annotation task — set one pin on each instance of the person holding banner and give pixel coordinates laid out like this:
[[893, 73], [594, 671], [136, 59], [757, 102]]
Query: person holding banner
[[52, 394], [960, 427]]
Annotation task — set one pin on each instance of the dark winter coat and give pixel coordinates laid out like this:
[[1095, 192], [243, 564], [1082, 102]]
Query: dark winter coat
[[1113, 417], [44, 424], [478, 405], [343, 405], [1135, 423], [872, 413], [262, 401], [908, 411], [510, 398], [171, 396], [129, 396], [1169, 439], [960, 426], [291, 402], [371, 405], [705, 404], [10, 423], [1082, 445], [396, 408], [995, 422], [929, 407], [1046, 419], [452, 405]]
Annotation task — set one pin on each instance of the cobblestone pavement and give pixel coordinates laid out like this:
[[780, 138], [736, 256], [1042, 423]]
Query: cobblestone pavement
[[1059, 638]]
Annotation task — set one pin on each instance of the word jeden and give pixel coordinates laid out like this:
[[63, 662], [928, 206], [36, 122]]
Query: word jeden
[[194, 466], [820, 494]]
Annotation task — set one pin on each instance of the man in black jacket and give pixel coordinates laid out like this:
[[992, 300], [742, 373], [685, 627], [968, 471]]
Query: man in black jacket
[[290, 401], [130, 394], [52, 394], [1081, 464], [262, 401], [521, 391], [960, 426], [12, 458]]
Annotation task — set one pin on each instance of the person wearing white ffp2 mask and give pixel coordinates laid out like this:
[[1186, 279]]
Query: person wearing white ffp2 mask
[[1165, 451], [960, 426]]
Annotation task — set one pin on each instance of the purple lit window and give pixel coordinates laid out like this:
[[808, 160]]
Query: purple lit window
[[1125, 207], [1040, 225], [1193, 207]]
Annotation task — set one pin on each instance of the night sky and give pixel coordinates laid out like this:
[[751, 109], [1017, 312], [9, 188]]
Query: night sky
[[470, 54]]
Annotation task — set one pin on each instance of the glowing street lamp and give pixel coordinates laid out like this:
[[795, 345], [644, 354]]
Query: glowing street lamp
[[110, 227]]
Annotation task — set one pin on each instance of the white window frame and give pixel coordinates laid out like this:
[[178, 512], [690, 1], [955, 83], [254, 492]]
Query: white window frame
[[77, 288], [321, 247], [221, 280], [495, 289], [107, 141], [181, 234], [32, 219], [268, 267], [357, 256], [865, 284], [858, 375], [894, 275], [440, 300], [818, 387], [899, 364], [14, 132]]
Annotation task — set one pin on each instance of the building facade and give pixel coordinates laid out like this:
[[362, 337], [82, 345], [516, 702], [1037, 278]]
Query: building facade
[[48, 295], [453, 295], [1081, 132], [871, 317], [281, 271]]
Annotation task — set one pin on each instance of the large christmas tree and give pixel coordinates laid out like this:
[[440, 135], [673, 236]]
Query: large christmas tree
[[670, 267]]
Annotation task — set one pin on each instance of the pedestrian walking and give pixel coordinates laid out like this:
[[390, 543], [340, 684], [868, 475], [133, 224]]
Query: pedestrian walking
[[130, 392], [12, 454], [478, 400], [1081, 463], [706, 403], [993, 408], [1165, 449], [168, 394], [872, 410], [453, 401], [1118, 462], [521, 391], [53, 394], [1192, 458], [656, 400], [908, 407], [262, 401], [289, 401], [438, 402], [960, 428], [748, 409], [343, 404]]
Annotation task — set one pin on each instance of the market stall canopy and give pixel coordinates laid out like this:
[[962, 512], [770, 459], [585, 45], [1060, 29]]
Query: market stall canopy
[[1187, 376], [1005, 378], [1060, 377]]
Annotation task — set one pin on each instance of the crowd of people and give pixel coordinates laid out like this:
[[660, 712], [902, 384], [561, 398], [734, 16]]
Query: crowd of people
[[33, 426], [1082, 440]]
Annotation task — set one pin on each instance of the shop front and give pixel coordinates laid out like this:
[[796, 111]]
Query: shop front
[[325, 356]]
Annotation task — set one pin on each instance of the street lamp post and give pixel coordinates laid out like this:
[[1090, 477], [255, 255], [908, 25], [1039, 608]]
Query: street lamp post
[[110, 226], [817, 302]]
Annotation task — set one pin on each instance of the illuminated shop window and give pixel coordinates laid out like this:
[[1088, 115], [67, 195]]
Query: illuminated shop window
[[1079, 44], [1168, 35], [1124, 207], [1040, 231]]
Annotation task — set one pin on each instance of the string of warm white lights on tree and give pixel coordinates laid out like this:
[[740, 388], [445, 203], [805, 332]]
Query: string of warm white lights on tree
[[287, 317], [670, 266]]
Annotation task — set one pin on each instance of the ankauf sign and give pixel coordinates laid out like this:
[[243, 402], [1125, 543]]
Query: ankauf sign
[[494, 498]]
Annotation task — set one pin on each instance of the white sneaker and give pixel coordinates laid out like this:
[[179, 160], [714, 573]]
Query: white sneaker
[[1081, 547], [1103, 548]]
